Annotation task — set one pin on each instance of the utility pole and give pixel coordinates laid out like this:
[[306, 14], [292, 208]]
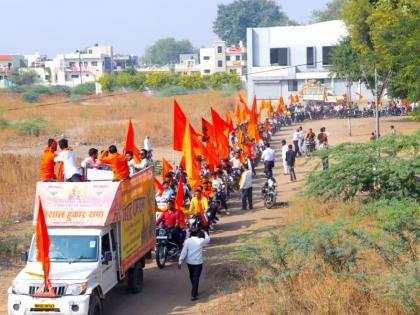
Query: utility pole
[[80, 68], [348, 100], [376, 105]]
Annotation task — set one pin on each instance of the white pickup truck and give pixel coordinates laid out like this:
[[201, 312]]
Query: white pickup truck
[[100, 233]]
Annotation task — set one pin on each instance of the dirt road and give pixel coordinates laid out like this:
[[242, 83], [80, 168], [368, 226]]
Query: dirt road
[[167, 291]]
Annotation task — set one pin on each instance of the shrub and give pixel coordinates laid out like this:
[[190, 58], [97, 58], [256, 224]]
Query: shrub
[[415, 114], [4, 123], [84, 89], [16, 89], [40, 89], [156, 80], [192, 81], [30, 97], [218, 80], [58, 89], [30, 127], [107, 82], [384, 168]]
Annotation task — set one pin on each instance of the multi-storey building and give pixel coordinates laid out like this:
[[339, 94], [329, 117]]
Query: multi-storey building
[[296, 60]]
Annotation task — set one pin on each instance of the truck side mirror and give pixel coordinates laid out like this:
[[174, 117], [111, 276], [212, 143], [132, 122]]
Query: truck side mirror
[[107, 257], [24, 256]]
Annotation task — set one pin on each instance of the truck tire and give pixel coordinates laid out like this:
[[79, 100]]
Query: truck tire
[[135, 279], [95, 305], [161, 256]]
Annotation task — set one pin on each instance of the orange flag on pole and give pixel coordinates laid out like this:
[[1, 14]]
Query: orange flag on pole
[[207, 130], [42, 242], [229, 122], [297, 100], [291, 98], [129, 143], [360, 96], [237, 114], [166, 168], [191, 163], [159, 186], [180, 121], [220, 133], [179, 199], [325, 96], [242, 100]]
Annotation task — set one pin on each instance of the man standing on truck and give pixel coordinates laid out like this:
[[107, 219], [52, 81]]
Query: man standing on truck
[[117, 161], [72, 173], [46, 170], [192, 254]]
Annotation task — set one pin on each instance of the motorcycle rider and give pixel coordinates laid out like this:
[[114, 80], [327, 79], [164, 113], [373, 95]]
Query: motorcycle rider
[[166, 194], [310, 139], [171, 222], [199, 205]]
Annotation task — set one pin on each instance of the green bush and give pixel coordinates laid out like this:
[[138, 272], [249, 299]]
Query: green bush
[[84, 89], [107, 82], [30, 97], [192, 81], [30, 127], [378, 169], [16, 89], [4, 123], [415, 114], [58, 89], [218, 81], [156, 80], [41, 90]]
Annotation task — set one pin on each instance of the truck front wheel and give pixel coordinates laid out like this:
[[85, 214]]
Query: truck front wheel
[[95, 305], [135, 279]]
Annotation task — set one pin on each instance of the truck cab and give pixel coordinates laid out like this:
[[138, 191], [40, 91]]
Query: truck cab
[[89, 253]]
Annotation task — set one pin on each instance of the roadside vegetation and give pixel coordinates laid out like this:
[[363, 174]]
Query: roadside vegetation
[[351, 244]]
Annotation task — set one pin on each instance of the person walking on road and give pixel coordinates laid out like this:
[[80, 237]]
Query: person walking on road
[[290, 159], [296, 141], [245, 184], [192, 254], [284, 149], [268, 156]]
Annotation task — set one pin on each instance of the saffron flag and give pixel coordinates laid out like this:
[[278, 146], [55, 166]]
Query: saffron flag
[[60, 171], [237, 114], [229, 122], [207, 130], [297, 100], [222, 141], [191, 163], [42, 242], [129, 143], [166, 168], [254, 113], [242, 100], [159, 186], [325, 96], [360, 96], [179, 126], [179, 199], [291, 99]]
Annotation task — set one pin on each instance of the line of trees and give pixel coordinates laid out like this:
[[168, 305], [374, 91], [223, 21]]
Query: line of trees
[[139, 81]]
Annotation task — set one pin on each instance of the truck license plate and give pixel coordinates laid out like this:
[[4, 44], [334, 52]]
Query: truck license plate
[[45, 306], [161, 237]]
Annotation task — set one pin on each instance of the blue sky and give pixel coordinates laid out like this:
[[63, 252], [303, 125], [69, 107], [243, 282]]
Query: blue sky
[[54, 26]]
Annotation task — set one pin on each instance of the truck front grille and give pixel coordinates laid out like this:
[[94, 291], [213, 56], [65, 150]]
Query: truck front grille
[[59, 290]]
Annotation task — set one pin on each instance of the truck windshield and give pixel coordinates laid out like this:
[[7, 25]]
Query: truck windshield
[[70, 248]]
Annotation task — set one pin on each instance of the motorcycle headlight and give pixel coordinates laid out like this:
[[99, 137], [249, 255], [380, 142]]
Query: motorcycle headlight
[[76, 289], [162, 232], [20, 288]]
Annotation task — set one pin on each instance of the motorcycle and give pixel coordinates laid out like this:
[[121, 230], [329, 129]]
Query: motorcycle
[[310, 147], [269, 193], [165, 246], [234, 178]]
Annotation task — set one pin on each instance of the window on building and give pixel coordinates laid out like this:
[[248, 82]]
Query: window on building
[[206, 58], [85, 64], [90, 51], [72, 64], [219, 49], [220, 63], [326, 55], [94, 63], [292, 85], [238, 57], [227, 58], [74, 76], [310, 56], [279, 56], [207, 71]]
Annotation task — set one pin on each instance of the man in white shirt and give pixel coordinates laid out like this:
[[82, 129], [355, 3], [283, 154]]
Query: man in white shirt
[[192, 254], [268, 156], [284, 149], [301, 139], [148, 145], [72, 173], [245, 184], [236, 161], [296, 141], [145, 162]]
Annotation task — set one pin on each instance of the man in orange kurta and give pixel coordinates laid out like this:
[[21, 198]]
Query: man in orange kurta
[[117, 161], [46, 170]]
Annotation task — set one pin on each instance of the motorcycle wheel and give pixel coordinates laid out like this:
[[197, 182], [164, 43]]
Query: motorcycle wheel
[[161, 256], [269, 201]]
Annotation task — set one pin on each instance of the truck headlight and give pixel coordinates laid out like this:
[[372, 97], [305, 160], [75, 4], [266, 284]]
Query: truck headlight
[[20, 288], [76, 289]]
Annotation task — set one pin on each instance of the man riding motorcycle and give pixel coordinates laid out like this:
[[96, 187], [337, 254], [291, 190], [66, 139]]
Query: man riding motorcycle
[[171, 221]]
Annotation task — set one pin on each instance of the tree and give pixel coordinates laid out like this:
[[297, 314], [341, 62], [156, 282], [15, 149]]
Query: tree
[[331, 12], [385, 34], [23, 77], [233, 19], [166, 51]]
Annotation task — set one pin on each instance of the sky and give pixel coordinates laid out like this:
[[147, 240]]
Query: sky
[[61, 26]]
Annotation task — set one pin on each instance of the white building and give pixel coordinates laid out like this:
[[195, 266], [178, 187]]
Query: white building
[[223, 58], [296, 60], [188, 64], [80, 67]]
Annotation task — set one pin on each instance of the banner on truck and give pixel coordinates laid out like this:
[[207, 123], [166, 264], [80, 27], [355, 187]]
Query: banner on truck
[[137, 217]]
